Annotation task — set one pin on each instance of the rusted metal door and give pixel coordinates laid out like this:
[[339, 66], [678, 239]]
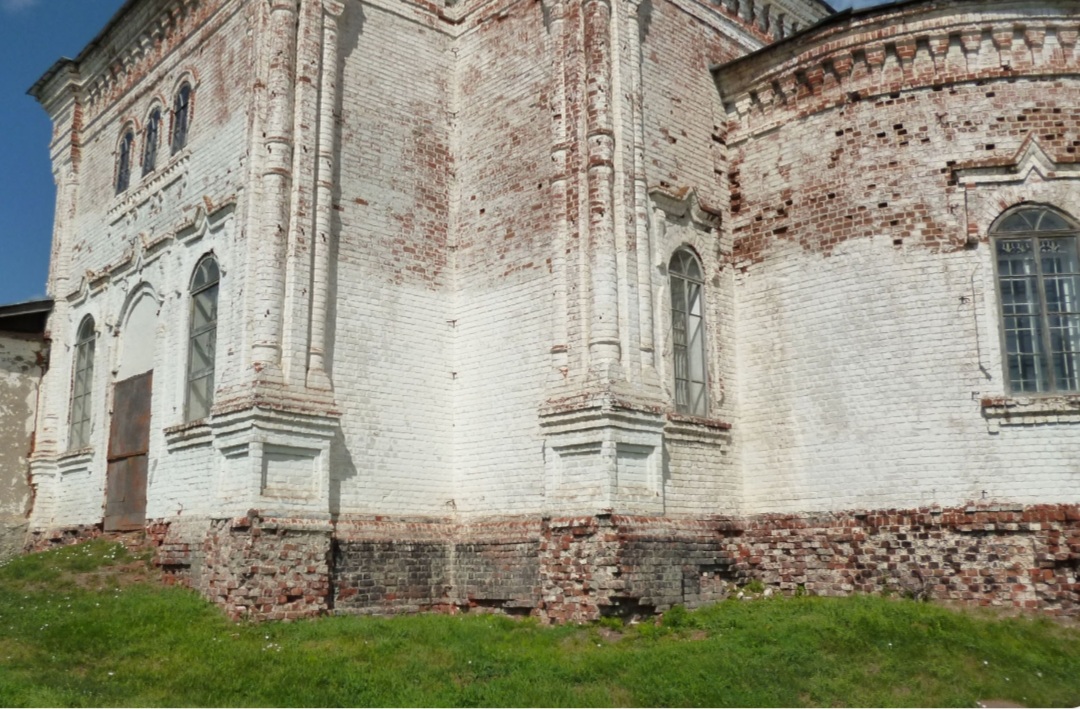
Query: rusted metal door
[[129, 441]]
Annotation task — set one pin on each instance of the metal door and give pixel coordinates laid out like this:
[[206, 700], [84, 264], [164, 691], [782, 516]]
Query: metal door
[[129, 441]]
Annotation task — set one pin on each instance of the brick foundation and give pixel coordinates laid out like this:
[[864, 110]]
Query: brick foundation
[[264, 569], [580, 569], [45, 539]]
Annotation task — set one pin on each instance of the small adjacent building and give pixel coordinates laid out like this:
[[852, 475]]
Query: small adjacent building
[[23, 360]]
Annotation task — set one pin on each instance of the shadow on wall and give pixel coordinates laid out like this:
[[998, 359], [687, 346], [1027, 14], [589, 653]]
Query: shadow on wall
[[342, 466]]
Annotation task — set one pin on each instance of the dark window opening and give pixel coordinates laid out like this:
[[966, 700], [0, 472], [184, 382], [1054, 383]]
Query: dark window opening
[[153, 129], [181, 118], [123, 162]]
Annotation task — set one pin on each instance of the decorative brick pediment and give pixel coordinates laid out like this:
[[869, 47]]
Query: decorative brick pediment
[[1031, 161]]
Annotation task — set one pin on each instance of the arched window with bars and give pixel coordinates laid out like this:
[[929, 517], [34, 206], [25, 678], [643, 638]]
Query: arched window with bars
[[687, 285], [1038, 276], [202, 339], [123, 160], [82, 381], [152, 137]]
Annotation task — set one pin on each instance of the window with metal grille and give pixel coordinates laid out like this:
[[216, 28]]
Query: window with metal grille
[[181, 118], [82, 386], [1038, 275], [123, 162], [688, 333], [153, 129], [202, 340]]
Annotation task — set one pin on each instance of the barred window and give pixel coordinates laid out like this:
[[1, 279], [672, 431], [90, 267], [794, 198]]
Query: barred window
[[688, 333], [153, 130], [1038, 273], [181, 118], [82, 386], [123, 161], [202, 339]]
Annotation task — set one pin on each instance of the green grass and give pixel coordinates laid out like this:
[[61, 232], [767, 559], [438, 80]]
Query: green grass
[[88, 626]]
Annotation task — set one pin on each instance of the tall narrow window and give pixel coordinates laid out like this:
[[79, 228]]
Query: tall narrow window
[[1038, 271], [82, 386], [688, 333], [123, 161], [153, 129], [202, 339], [181, 118]]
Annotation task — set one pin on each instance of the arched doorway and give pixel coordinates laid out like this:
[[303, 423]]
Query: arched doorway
[[129, 431]]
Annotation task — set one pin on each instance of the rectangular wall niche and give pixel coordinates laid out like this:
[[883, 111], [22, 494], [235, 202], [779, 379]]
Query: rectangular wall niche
[[635, 470], [289, 472], [579, 473]]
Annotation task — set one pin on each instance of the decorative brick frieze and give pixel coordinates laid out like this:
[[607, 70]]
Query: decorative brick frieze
[[895, 49]]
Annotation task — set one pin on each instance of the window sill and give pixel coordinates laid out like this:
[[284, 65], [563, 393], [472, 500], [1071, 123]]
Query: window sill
[[695, 429], [1031, 410], [77, 454], [192, 434], [75, 461]]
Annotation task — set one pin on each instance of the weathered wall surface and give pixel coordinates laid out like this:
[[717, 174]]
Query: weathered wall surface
[[20, 375], [392, 305], [684, 164], [504, 243], [867, 321]]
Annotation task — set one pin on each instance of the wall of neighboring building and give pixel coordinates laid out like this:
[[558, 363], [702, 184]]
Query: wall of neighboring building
[[866, 298], [20, 375]]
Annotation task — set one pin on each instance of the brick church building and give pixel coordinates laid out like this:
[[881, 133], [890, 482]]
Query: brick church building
[[569, 307]]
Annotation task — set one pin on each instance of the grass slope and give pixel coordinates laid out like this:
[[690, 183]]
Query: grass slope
[[88, 626]]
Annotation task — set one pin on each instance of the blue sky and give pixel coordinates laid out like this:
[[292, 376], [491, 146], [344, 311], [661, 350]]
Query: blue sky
[[33, 35]]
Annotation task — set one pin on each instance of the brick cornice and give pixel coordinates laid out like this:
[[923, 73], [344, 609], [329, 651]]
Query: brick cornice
[[917, 45]]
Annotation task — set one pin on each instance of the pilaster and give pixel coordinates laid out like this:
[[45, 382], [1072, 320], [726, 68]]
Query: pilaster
[[320, 283], [289, 223], [270, 217], [59, 95], [604, 342]]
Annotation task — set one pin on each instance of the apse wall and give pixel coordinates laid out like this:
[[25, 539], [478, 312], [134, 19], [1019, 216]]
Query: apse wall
[[869, 159]]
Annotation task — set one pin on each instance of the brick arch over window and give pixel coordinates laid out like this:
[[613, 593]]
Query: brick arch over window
[[687, 284], [202, 339], [82, 380], [1037, 261]]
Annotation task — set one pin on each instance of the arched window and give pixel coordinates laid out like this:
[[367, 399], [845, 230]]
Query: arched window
[[153, 133], [202, 337], [688, 333], [82, 386], [123, 161], [181, 118], [1038, 273]]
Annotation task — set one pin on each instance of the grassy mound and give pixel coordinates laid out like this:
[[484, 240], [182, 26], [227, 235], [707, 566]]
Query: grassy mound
[[89, 626]]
